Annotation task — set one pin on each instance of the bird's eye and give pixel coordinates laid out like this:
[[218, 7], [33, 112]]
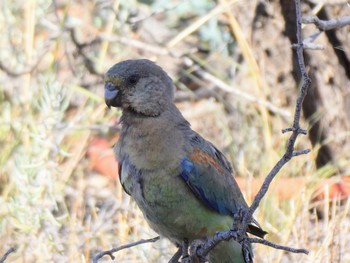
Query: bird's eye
[[133, 79]]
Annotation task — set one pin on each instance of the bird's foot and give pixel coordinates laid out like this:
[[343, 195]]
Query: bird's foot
[[195, 246]]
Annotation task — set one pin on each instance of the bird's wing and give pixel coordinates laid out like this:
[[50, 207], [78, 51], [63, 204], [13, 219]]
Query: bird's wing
[[123, 170], [209, 175]]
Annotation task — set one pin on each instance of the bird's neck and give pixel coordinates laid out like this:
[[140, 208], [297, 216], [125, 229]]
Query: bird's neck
[[170, 117]]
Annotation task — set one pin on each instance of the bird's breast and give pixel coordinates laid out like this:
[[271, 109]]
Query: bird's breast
[[149, 148]]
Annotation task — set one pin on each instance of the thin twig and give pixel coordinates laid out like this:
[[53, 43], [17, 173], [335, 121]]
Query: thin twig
[[8, 252], [322, 25], [325, 25], [177, 256], [239, 232], [154, 49], [89, 64], [301, 152], [309, 45], [30, 69], [232, 90], [113, 250], [329, 2], [296, 130], [270, 244]]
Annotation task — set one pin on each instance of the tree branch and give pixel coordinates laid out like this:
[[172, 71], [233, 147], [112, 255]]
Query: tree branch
[[276, 246], [295, 129], [325, 25], [8, 252], [247, 216], [322, 25], [113, 250]]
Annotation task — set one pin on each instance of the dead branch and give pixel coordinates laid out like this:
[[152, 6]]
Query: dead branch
[[276, 246], [177, 256], [232, 90], [247, 216], [116, 249], [328, 2], [28, 70], [295, 129], [324, 25], [8, 252], [80, 47]]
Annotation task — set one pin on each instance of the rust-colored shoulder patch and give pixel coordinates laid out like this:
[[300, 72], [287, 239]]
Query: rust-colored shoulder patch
[[204, 158]]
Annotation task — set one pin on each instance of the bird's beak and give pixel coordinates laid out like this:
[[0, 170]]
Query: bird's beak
[[111, 93]]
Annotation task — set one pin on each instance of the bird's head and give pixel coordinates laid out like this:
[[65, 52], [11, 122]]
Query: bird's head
[[140, 86]]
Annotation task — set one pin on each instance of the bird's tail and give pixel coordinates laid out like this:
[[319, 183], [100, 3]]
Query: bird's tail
[[256, 229]]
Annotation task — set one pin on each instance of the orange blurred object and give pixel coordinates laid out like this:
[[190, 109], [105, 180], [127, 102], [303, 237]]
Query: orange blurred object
[[101, 157]]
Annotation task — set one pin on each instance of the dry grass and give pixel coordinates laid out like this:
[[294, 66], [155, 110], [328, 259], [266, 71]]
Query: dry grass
[[53, 208]]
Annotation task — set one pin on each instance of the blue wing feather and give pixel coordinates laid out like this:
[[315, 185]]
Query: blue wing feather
[[188, 170], [209, 176]]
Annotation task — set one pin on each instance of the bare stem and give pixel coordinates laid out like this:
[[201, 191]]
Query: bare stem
[[113, 250], [295, 129], [276, 246], [8, 252], [324, 25]]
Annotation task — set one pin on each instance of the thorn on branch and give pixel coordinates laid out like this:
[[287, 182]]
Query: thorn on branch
[[292, 129], [308, 45], [113, 250], [301, 152]]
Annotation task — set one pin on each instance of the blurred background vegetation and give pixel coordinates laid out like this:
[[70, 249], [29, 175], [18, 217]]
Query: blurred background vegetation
[[232, 65]]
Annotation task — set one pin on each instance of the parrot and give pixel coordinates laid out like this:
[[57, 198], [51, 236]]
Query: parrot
[[181, 182]]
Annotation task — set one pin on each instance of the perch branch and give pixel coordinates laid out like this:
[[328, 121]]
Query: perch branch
[[205, 248], [295, 129], [113, 250], [177, 256], [239, 234]]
